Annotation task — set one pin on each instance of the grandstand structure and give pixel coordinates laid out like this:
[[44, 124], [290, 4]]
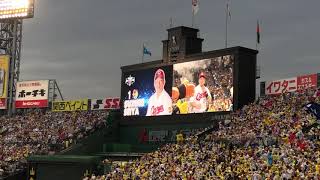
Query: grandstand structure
[[11, 41], [117, 138]]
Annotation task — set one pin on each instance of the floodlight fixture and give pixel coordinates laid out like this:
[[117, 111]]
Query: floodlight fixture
[[16, 9]]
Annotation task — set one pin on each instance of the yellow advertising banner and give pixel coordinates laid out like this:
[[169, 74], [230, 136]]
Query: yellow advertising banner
[[4, 79], [4, 75], [73, 105]]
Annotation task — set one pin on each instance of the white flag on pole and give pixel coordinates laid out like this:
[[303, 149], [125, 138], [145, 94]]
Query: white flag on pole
[[195, 6]]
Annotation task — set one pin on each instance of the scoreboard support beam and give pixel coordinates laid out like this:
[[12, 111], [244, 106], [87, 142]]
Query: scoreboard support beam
[[10, 44], [53, 88]]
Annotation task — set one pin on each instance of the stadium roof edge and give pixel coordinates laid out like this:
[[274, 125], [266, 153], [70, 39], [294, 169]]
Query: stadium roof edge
[[225, 51], [145, 64], [183, 27], [204, 55]]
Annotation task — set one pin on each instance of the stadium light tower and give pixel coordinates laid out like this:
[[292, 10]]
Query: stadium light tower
[[12, 13]]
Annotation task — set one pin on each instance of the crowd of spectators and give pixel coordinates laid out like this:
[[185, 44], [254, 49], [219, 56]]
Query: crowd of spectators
[[39, 132], [269, 139], [221, 83]]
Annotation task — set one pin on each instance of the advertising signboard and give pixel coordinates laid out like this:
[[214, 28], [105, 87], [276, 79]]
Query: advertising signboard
[[32, 94], [291, 84], [106, 103], [72, 105], [4, 79]]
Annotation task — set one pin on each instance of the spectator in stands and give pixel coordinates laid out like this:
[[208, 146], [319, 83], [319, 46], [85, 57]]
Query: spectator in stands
[[180, 138], [270, 139], [39, 132]]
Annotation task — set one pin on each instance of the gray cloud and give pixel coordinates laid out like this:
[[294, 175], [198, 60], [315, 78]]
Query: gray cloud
[[82, 44]]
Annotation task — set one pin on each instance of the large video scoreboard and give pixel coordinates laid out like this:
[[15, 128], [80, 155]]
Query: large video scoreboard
[[199, 86], [203, 85]]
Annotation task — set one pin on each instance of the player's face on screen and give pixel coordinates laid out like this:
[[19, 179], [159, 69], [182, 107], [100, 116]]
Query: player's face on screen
[[159, 85], [202, 81]]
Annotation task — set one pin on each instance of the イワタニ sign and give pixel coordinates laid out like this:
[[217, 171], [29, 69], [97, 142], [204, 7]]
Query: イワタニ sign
[[307, 81], [32, 94], [291, 84]]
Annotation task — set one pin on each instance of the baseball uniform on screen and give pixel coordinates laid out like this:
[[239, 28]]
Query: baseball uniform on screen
[[161, 105], [200, 97]]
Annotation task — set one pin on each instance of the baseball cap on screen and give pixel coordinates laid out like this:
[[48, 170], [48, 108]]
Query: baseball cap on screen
[[202, 74], [159, 74]]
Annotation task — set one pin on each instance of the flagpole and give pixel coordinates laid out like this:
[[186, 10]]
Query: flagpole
[[193, 10], [258, 35], [226, 40], [142, 58], [192, 19], [227, 13]]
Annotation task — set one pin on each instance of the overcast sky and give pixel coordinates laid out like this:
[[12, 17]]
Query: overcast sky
[[82, 43]]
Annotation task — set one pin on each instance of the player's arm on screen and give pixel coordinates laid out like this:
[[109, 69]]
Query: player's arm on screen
[[191, 101], [195, 104]]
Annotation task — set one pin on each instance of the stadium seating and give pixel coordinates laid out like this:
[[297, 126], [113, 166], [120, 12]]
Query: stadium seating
[[273, 138], [42, 133]]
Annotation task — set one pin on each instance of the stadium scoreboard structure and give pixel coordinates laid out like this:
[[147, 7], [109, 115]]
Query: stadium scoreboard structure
[[188, 84]]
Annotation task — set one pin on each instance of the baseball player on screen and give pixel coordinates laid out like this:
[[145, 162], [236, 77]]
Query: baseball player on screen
[[202, 96], [160, 103]]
